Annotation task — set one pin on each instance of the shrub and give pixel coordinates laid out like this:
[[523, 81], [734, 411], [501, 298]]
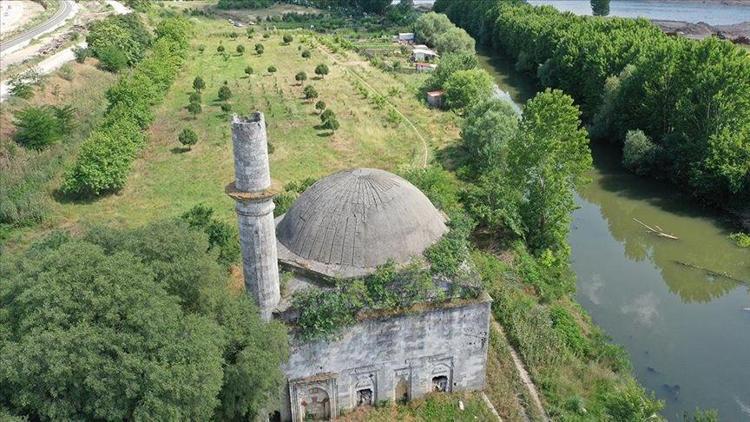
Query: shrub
[[249, 70], [639, 153], [288, 38], [220, 48], [81, 54], [198, 83], [194, 109], [66, 72], [194, 97], [310, 92], [300, 77], [306, 54], [225, 93], [39, 127], [320, 106], [188, 137], [240, 49], [112, 58], [259, 49], [466, 88], [272, 69], [22, 84], [226, 108], [742, 239]]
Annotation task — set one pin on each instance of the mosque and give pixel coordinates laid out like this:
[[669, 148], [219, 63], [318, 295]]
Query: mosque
[[343, 227]]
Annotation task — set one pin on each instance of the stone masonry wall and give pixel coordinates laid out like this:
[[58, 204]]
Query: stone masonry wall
[[391, 358]]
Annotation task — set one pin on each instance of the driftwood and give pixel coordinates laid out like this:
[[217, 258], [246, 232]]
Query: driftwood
[[656, 230], [711, 272]]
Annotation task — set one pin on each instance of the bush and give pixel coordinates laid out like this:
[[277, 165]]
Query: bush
[[81, 54], [288, 38], [639, 153], [194, 109], [39, 127], [310, 92], [249, 70], [240, 49], [259, 49], [66, 72], [199, 83], [320, 106], [226, 108], [112, 58], [188, 137], [272, 69], [220, 48], [225, 93], [306, 54], [194, 97], [742, 239]]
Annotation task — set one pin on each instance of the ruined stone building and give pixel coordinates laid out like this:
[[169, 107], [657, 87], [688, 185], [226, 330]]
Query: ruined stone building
[[344, 226]]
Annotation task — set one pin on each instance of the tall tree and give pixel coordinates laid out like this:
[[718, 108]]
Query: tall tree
[[546, 160], [600, 7]]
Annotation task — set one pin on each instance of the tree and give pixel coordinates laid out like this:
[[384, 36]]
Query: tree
[[306, 54], [194, 109], [300, 77], [327, 114], [81, 54], [310, 92], [39, 127], [467, 87], [331, 124], [250, 32], [321, 70], [450, 64], [249, 70], [259, 49], [288, 38], [199, 83], [430, 25], [226, 108], [195, 97], [320, 106], [546, 161], [488, 128], [240, 49], [220, 48], [225, 93], [639, 153], [454, 40], [98, 306], [188, 138], [600, 7], [272, 69]]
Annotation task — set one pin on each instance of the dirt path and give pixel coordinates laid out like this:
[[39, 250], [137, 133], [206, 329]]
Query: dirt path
[[425, 147], [524, 374]]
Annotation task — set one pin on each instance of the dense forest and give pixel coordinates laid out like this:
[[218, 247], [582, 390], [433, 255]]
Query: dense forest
[[690, 99]]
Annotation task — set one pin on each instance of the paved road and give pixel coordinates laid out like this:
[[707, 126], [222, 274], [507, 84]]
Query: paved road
[[67, 8]]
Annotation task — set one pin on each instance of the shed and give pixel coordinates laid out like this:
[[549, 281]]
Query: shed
[[435, 98], [407, 37], [423, 54]]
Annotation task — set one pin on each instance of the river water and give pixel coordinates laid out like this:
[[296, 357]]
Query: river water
[[686, 329], [712, 13]]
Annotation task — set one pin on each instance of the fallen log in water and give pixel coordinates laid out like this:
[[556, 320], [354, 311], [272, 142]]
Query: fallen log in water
[[656, 230], [711, 272]]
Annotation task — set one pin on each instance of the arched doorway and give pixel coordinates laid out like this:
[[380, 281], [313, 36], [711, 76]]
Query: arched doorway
[[317, 407], [402, 390]]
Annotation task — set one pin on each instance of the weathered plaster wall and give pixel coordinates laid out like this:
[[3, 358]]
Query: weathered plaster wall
[[402, 352]]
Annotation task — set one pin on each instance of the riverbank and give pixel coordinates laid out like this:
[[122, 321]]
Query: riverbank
[[737, 33]]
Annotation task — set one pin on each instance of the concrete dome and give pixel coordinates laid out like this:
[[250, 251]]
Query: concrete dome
[[350, 222]]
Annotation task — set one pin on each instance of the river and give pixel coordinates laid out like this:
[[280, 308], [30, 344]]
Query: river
[[712, 13], [686, 330]]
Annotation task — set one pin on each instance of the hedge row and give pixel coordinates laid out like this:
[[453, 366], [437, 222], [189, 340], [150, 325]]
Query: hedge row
[[691, 98], [107, 154]]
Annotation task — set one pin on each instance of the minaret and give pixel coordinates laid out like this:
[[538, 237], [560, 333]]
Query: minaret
[[251, 190]]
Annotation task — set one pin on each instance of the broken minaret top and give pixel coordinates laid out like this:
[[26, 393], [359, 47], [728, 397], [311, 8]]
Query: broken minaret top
[[250, 153]]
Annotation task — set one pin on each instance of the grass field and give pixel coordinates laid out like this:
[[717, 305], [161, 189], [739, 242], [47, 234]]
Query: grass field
[[434, 407], [166, 180]]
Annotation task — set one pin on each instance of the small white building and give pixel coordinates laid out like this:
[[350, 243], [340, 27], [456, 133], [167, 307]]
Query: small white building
[[406, 37], [423, 54]]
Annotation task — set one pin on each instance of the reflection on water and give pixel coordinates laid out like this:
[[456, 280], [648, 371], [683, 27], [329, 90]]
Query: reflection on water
[[713, 13], [686, 330]]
